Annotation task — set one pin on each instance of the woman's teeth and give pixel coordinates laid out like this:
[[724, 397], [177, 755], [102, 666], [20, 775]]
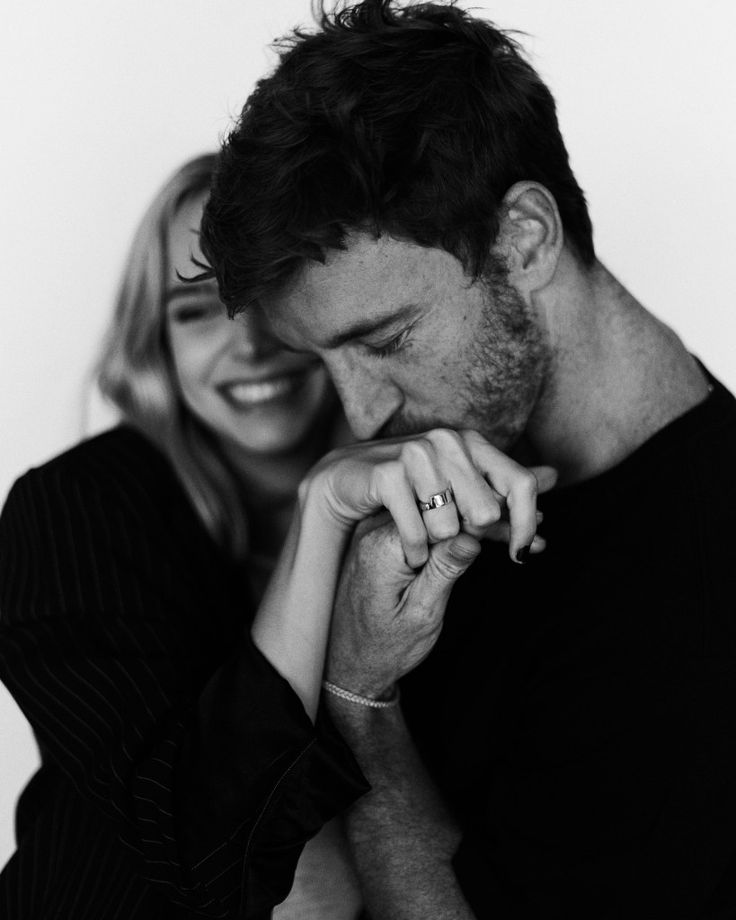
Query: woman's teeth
[[249, 394]]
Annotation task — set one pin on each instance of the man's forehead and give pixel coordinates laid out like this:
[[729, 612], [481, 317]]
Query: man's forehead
[[292, 314], [365, 283]]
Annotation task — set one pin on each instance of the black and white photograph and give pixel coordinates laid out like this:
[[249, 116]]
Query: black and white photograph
[[367, 491]]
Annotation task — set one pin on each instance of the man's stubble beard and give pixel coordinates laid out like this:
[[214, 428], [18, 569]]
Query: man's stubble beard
[[509, 365], [506, 370]]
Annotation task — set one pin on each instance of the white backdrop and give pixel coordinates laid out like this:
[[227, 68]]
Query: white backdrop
[[100, 101]]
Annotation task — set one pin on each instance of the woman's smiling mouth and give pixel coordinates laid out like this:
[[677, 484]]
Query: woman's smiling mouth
[[246, 393]]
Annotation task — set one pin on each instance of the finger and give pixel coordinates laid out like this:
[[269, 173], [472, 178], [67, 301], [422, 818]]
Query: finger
[[538, 545], [390, 488], [501, 533], [425, 472], [546, 477], [478, 505], [522, 504], [441, 522], [516, 483], [447, 561]]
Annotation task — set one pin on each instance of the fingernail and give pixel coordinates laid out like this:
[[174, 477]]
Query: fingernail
[[522, 554], [463, 550]]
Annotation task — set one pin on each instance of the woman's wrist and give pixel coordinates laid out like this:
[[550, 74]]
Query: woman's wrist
[[317, 503], [292, 624]]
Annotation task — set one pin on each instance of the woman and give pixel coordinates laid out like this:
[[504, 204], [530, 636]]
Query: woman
[[185, 758]]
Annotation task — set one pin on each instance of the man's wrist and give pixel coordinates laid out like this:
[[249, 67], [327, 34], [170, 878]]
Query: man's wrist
[[374, 686], [383, 701]]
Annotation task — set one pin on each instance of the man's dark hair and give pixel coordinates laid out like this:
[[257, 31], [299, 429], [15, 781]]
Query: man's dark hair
[[410, 121]]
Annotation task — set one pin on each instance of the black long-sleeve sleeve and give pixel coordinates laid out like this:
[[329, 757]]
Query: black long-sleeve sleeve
[[124, 639], [578, 714]]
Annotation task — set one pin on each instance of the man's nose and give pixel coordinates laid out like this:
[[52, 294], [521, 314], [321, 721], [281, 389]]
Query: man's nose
[[369, 397]]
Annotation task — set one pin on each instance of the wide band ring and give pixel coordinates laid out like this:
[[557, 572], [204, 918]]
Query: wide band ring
[[437, 500]]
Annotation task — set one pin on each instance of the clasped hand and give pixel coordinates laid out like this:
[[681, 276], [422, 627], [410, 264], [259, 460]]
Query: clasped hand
[[402, 562], [494, 496]]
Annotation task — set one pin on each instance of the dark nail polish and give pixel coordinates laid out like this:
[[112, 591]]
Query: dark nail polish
[[522, 554]]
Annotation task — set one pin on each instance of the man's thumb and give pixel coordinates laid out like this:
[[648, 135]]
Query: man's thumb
[[464, 549], [450, 558]]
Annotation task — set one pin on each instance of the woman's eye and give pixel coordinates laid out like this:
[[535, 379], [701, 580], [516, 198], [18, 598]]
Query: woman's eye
[[193, 313]]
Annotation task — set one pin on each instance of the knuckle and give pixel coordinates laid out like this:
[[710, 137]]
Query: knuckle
[[476, 530], [443, 436], [417, 451], [447, 442], [483, 514], [387, 473], [444, 529], [471, 437], [526, 482]]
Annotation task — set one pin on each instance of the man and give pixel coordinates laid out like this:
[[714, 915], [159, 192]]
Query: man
[[397, 197]]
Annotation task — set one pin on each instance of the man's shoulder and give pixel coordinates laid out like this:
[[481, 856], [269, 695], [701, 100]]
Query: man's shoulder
[[708, 436]]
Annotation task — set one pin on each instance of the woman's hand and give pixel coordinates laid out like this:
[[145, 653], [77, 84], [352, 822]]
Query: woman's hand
[[494, 496]]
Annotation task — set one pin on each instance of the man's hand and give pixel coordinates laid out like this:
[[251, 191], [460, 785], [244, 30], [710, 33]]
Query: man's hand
[[387, 618], [387, 615]]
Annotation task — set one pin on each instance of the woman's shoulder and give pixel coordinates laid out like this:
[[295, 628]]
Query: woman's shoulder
[[105, 526], [120, 454], [116, 449], [103, 517], [118, 468]]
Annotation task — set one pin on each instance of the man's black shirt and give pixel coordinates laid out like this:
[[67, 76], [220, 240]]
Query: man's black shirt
[[579, 712]]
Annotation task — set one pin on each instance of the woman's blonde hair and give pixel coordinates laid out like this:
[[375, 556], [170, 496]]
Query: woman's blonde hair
[[135, 370]]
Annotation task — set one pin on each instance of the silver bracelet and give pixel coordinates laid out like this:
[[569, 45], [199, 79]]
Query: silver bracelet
[[361, 700]]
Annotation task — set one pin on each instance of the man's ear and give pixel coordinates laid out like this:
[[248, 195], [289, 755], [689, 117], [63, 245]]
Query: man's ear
[[530, 235]]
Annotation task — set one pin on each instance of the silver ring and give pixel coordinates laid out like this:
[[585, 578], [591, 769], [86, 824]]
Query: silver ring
[[437, 500]]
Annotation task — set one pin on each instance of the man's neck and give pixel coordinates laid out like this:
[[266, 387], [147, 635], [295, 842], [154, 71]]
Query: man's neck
[[618, 375]]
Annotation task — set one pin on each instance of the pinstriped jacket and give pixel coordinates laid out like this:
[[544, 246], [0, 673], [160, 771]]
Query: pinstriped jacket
[[180, 776]]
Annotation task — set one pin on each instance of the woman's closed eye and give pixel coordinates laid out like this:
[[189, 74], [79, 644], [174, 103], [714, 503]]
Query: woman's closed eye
[[196, 312]]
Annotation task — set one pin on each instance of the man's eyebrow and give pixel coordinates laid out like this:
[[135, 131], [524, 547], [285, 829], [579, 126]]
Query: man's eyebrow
[[369, 326]]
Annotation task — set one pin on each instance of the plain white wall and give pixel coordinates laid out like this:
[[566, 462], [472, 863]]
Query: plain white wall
[[100, 101]]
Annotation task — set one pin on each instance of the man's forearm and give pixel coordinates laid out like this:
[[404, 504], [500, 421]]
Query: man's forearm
[[402, 836]]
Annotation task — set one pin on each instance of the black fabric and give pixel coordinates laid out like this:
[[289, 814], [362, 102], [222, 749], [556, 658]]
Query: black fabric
[[579, 712], [180, 775]]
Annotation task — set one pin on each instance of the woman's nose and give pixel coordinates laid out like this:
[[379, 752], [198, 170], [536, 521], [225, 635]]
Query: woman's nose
[[252, 337]]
